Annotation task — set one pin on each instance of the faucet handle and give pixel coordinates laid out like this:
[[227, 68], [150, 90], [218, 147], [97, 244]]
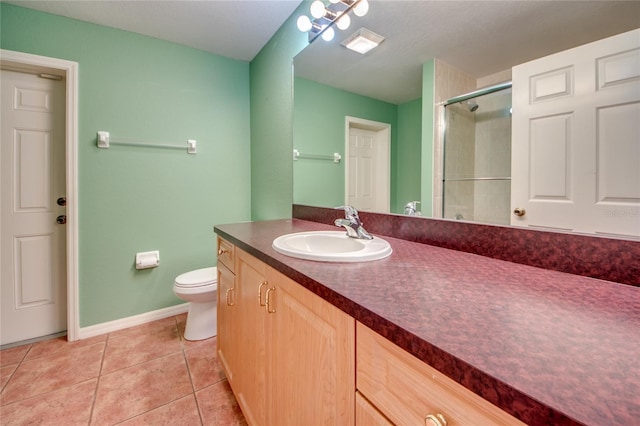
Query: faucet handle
[[349, 212], [411, 208]]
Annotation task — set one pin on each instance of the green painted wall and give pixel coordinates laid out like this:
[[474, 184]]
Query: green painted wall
[[139, 199], [409, 152], [272, 121], [319, 128], [428, 112]]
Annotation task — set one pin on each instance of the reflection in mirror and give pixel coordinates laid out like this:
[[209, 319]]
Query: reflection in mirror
[[477, 158], [431, 53]]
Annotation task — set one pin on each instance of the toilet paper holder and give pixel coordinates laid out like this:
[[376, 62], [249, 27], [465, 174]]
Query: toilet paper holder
[[147, 259]]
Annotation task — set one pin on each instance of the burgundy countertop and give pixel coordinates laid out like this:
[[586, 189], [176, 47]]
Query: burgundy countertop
[[548, 347]]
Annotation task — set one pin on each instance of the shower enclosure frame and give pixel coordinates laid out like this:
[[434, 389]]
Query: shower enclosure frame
[[479, 92], [459, 99]]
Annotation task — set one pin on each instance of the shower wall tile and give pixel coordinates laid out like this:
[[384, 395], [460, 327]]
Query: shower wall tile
[[490, 80]]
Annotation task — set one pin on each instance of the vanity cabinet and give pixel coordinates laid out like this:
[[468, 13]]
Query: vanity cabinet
[[288, 354], [408, 391], [292, 358]]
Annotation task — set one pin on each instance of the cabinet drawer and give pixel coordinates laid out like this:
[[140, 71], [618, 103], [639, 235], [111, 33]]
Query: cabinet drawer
[[367, 414], [226, 254], [407, 390]]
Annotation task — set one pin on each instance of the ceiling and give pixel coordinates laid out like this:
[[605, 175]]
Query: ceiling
[[478, 37], [236, 29]]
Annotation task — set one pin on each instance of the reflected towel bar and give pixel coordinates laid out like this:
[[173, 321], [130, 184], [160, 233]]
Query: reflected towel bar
[[335, 158], [474, 179]]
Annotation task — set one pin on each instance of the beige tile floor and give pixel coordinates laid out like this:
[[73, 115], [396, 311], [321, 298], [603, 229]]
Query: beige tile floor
[[144, 375]]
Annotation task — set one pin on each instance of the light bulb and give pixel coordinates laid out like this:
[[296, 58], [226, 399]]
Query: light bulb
[[317, 9], [361, 8], [328, 34], [343, 21], [304, 23]]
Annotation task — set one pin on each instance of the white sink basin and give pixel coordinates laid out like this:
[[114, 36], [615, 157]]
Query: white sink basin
[[331, 246]]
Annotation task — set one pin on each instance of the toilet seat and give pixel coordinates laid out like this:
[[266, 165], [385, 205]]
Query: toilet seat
[[198, 278]]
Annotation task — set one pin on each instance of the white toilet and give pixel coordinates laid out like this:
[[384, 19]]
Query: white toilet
[[199, 288]]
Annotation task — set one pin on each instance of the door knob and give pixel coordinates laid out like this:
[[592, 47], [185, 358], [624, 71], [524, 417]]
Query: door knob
[[61, 220], [62, 201], [519, 211]]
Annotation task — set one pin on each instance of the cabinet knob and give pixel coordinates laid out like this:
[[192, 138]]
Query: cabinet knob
[[222, 251], [435, 420]]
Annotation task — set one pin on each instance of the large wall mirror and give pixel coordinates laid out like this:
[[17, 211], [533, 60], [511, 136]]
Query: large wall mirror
[[433, 52]]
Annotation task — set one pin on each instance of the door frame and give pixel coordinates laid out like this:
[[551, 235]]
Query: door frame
[[383, 135], [25, 62]]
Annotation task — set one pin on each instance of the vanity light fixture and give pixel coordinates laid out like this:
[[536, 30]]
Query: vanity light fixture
[[362, 41], [323, 17]]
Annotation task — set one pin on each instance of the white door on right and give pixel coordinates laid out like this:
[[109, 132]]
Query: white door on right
[[576, 139]]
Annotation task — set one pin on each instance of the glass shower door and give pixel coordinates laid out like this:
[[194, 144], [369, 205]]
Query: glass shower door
[[477, 158]]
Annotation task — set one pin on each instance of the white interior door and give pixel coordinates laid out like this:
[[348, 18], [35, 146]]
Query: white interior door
[[576, 139], [32, 243], [367, 169]]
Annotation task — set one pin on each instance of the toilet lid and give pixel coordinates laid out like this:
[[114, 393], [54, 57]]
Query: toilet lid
[[197, 278]]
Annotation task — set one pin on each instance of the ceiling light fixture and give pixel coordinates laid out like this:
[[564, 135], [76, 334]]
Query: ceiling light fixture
[[323, 17], [362, 41]]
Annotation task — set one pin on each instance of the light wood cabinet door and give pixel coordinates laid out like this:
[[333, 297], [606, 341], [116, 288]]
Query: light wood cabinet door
[[410, 392], [288, 354], [312, 357], [252, 333], [227, 316]]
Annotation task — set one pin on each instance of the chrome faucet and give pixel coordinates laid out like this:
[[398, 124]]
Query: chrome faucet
[[352, 224], [411, 209]]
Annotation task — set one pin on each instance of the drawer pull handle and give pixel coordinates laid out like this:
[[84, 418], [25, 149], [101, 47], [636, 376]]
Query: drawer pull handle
[[222, 251], [229, 290], [263, 283], [435, 420], [269, 300]]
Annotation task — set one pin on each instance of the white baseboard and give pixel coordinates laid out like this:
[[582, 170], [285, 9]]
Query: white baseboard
[[108, 327]]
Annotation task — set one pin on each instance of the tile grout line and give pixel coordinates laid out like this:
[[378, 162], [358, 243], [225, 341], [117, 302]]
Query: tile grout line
[[95, 391], [186, 361], [15, 370]]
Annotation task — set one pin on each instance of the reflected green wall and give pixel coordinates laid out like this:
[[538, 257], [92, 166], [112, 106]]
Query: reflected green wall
[[319, 128], [139, 199], [409, 152]]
